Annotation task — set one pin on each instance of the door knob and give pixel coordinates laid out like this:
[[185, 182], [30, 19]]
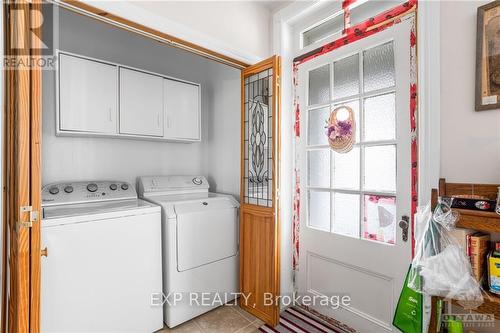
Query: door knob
[[44, 252], [404, 224]]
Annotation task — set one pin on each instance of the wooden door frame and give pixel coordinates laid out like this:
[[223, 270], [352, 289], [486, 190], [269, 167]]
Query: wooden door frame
[[275, 63], [22, 173]]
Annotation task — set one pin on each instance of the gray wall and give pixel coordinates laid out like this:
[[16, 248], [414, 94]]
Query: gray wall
[[217, 156]]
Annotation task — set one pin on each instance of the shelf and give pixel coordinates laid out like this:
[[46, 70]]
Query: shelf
[[477, 220], [491, 304], [470, 219]]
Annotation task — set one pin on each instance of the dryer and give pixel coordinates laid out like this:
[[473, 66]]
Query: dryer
[[200, 237], [103, 264]]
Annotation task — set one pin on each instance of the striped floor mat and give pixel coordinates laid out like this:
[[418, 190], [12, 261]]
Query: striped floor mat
[[298, 320]]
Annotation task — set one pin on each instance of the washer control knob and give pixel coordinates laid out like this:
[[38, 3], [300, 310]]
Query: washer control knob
[[54, 190], [68, 189], [113, 187], [124, 186], [92, 187], [197, 181]]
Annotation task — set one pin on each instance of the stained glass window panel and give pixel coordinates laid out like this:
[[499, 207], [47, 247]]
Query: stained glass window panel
[[379, 218], [258, 139]]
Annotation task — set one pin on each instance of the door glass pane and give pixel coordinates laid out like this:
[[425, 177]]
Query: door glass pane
[[380, 117], [329, 28], [354, 105], [379, 218], [318, 162], [378, 67], [346, 77], [346, 170], [316, 129], [380, 168], [346, 214], [258, 139], [319, 210], [319, 85]]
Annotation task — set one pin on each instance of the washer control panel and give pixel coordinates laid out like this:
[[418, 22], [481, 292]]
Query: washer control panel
[[172, 184], [81, 192]]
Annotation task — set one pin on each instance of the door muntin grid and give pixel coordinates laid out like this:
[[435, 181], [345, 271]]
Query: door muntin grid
[[351, 182], [258, 139]]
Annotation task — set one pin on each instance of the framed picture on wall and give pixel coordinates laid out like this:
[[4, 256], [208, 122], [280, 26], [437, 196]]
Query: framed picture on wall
[[488, 57]]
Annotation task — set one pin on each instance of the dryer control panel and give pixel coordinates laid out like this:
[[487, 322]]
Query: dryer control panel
[[164, 185], [82, 192]]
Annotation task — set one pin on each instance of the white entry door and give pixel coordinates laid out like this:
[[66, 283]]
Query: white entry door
[[350, 239]]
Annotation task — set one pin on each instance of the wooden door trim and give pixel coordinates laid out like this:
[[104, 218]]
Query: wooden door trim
[[22, 172], [262, 211], [35, 184], [79, 7]]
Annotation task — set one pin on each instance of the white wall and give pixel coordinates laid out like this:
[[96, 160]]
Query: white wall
[[470, 140], [76, 158], [240, 29]]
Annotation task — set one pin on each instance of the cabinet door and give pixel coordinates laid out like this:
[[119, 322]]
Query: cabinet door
[[182, 102], [87, 95], [141, 103]]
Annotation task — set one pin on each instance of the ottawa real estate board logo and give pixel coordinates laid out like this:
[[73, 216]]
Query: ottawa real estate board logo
[[32, 35]]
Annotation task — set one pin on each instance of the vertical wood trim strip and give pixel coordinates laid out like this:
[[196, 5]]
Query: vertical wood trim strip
[[22, 170], [35, 166], [277, 179], [6, 168]]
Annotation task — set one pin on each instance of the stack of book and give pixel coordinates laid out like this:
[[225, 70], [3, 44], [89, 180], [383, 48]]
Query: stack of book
[[476, 245], [479, 246]]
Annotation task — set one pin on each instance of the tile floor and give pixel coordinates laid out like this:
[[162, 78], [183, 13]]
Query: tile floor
[[224, 319]]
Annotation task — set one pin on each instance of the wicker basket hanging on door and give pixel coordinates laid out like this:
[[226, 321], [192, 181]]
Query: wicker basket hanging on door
[[341, 133]]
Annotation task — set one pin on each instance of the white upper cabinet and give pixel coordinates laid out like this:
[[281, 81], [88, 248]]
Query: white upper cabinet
[[182, 112], [141, 103], [97, 98], [87, 95]]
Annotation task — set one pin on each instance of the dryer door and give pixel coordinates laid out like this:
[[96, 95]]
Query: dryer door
[[207, 231]]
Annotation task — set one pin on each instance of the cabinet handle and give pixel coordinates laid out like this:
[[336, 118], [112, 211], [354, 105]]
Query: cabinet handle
[[168, 121], [158, 119], [109, 115]]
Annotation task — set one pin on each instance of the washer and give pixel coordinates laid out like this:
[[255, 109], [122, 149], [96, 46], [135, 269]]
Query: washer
[[200, 244], [103, 264]]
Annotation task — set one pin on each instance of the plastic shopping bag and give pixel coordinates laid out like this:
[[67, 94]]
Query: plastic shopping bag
[[409, 316], [440, 266]]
